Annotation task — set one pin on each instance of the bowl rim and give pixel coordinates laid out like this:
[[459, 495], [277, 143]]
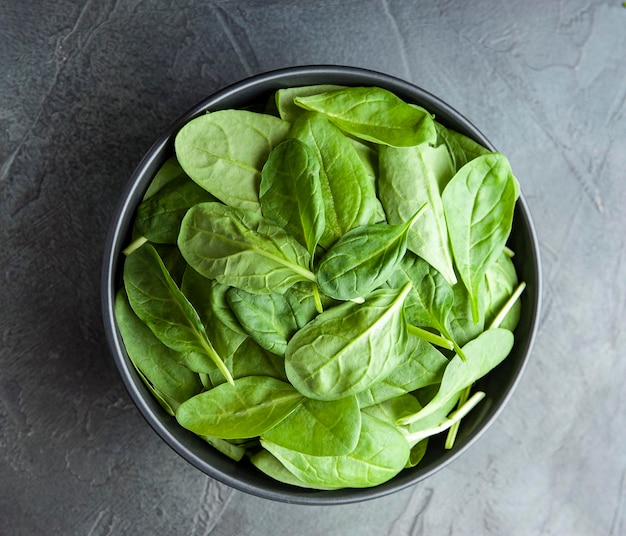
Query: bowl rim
[[119, 226]]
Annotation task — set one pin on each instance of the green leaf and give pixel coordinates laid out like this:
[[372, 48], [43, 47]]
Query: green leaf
[[363, 259], [348, 192], [320, 428], [242, 249], [269, 464], [483, 354], [224, 152], [461, 148], [348, 348], [291, 192], [160, 304], [158, 364], [250, 359], [430, 301], [500, 283], [479, 203], [410, 178], [209, 299], [159, 216], [267, 318], [379, 455], [169, 171], [287, 108], [374, 114], [247, 408], [421, 366]]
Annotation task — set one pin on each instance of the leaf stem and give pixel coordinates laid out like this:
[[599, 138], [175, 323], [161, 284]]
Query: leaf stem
[[316, 298], [212, 353], [430, 337], [454, 429], [508, 305], [134, 245], [453, 418]]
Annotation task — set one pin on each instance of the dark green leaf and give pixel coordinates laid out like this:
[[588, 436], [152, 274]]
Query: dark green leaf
[[374, 114], [247, 408], [224, 152], [242, 249], [348, 348]]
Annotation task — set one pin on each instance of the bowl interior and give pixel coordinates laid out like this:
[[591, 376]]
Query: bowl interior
[[498, 385]]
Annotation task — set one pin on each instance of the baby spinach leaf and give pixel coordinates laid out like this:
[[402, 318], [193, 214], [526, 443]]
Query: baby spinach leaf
[[169, 171], [250, 359], [242, 249], [430, 301], [224, 152], [500, 282], [462, 326], [291, 192], [159, 365], [319, 428], [160, 304], [374, 114], [348, 348], [247, 408], [483, 354], [422, 365], [461, 148], [409, 178], [379, 455], [302, 302], [287, 108], [348, 193], [209, 299], [271, 466], [159, 216], [363, 259], [234, 452], [479, 203], [267, 318]]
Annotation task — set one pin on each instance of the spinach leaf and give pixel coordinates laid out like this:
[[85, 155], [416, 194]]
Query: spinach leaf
[[422, 365], [250, 359], [319, 428], [409, 178], [379, 455], [242, 249], [348, 348], [374, 114], [234, 452], [224, 152], [479, 203], [430, 301], [291, 192], [158, 364], [169, 171], [284, 98], [462, 326], [209, 299], [363, 259], [271, 466], [159, 216], [267, 318], [160, 304], [348, 193], [461, 148], [500, 282], [483, 354], [246, 408]]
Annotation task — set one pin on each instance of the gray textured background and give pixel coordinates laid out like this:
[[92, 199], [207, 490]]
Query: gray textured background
[[85, 87]]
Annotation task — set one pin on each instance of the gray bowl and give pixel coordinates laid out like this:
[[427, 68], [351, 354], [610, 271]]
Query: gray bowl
[[498, 385]]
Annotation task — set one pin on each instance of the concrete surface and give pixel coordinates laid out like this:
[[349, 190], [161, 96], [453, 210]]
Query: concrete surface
[[85, 87]]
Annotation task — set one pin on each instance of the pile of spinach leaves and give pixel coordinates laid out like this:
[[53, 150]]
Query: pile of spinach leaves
[[318, 289]]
